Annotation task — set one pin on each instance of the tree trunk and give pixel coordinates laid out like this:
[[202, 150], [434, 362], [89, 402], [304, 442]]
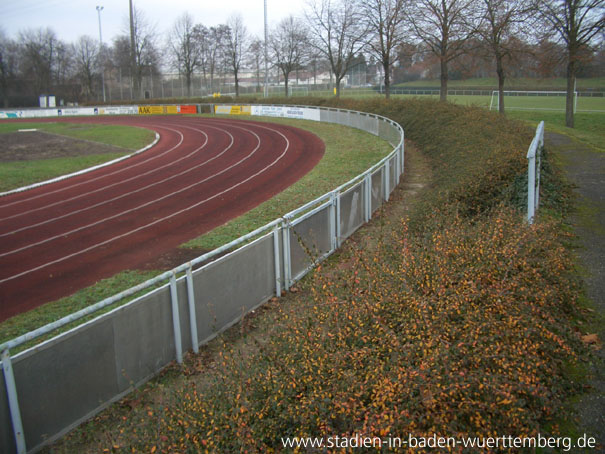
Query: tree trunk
[[387, 78], [188, 80], [569, 99], [501, 77], [444, 77], [286, 82]]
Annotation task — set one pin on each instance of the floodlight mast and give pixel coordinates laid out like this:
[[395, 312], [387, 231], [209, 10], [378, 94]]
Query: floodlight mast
[[99, 9], [266, 56]]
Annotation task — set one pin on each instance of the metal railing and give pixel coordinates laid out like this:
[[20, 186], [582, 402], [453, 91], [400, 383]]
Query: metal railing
[[534, 158], [61, 382]]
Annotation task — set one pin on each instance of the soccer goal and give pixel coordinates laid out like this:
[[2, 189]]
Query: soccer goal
[[298, 90], [532, 100]]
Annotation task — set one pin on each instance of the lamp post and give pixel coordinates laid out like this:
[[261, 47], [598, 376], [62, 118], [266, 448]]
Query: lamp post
[[99, 9], [266, 56]]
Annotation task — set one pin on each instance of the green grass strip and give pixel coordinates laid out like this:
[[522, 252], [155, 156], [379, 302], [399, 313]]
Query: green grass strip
[[349, 152]]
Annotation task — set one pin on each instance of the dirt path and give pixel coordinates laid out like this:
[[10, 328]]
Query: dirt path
[[585, 168]]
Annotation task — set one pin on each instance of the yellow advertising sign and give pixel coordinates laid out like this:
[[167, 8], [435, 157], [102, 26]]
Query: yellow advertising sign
[[165, 110], [151, 110], [233, 110]]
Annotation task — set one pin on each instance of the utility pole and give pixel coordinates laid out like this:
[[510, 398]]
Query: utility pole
[[99, 9], [133, 60], [266, 56]]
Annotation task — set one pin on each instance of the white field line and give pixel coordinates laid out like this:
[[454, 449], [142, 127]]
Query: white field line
[[197, 204]]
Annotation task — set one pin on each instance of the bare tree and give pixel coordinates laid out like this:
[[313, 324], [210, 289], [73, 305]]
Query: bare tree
[[498, 24], [384, 19], [442, 26], [86, 55], [288, 43], [338, 33], [237, 46], [8, 66], [201, 37], [184, 49], [214, 50], [256, 54], [577, 23], [39, 49]]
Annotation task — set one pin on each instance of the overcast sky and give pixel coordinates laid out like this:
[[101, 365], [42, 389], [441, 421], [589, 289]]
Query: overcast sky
[[73, 18]]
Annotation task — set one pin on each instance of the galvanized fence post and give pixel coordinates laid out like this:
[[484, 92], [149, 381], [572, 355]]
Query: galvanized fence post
[[338, 229], [533, 173], [367, 189], [176, 321], [333, 217], [277, 260], [387, 177], [192, 313], [13, 401], [531, 188], [286, 251]]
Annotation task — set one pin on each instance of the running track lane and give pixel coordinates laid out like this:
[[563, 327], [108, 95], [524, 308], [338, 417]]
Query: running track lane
[[61, 237]]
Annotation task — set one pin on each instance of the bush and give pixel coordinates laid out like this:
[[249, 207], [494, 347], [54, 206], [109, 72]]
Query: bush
[[458, 326]]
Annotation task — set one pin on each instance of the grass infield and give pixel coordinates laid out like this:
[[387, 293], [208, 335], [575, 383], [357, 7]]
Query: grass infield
[[15, 174]]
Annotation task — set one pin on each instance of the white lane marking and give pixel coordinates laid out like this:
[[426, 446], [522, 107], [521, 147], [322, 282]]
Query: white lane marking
[[138, 229], [122, 213], [89, 207], [17, 202], [103, 188]]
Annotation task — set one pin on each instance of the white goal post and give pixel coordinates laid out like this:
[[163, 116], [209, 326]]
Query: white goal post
[[532, 100], [298, 90]]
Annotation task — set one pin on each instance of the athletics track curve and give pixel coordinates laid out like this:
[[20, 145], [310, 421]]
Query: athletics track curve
[[58, 238]]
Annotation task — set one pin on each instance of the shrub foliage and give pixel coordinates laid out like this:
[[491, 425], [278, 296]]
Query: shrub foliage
[[457, 322]]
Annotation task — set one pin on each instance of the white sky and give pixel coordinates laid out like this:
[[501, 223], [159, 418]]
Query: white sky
[[73, 18]]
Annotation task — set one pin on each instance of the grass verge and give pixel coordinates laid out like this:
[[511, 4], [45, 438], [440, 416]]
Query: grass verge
[[348, 153]]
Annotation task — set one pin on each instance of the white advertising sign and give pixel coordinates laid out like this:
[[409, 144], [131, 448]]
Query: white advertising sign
[[301, 113]]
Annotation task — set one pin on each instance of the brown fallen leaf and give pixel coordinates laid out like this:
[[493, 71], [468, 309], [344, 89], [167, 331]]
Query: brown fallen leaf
[[590, 339]]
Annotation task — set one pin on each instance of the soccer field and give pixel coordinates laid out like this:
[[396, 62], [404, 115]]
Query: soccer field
[[537, 102], [553, 101]]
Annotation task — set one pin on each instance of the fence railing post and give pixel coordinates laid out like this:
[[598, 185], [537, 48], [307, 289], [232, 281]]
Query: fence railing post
[[192, 313], [533, 172], [286, 251], [387, 178], [277, 260], [338, 214], [176, 320], [13, 401], [531, 189], [367, 190]]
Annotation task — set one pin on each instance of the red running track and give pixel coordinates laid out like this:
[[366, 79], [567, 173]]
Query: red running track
[[64, 236]]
